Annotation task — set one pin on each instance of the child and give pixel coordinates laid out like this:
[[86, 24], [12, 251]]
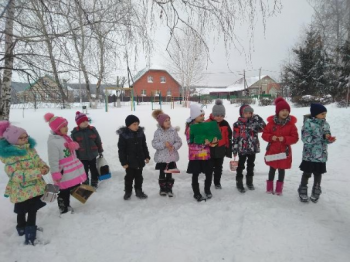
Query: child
[[199, 156], [316, 135], [246, 144], [224, 145], [167, 142], [25, 170], [66, 169], [133, 153], [280, 133], [90, 146]]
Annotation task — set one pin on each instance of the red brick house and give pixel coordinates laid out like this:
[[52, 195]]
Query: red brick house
[[151, 82]]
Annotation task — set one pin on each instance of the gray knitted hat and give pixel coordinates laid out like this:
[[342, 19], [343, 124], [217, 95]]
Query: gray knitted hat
[[218, 108]]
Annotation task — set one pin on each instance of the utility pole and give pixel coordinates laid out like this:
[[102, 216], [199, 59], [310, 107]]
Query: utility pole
[[260, 88]]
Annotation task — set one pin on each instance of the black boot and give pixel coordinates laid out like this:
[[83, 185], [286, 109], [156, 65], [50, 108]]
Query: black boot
[[302, 190], [170, 185], [163, 187], [30, 235], [127, 195], [316, 192], [208, 193], [20, 230], [61, 205], [140, 194], [196, 193], [239, 185], [94, 183], [249, 182]]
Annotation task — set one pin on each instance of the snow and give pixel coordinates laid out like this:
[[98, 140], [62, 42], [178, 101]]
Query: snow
[[231, 226]]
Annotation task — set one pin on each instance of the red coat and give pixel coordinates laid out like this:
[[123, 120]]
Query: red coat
[[290, 134]]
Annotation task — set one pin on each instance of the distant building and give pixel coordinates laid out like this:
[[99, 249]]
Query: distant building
[[251, 86], [152, 82]]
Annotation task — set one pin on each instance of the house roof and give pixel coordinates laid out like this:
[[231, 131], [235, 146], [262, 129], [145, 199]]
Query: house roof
[[153, 68]]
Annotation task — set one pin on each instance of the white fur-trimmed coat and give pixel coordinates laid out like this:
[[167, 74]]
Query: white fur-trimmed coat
[[163, 155]]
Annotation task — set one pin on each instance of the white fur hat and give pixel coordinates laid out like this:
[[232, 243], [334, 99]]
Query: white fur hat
[[196, 111]]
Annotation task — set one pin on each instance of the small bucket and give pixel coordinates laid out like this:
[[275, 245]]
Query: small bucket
[[51, 192], [233, 164]]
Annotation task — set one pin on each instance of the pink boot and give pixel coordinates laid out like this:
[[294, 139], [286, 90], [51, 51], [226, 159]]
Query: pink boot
[[279, 188], [269, 187]]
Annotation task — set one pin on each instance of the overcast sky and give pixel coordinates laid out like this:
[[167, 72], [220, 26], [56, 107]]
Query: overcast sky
[[270, 50]]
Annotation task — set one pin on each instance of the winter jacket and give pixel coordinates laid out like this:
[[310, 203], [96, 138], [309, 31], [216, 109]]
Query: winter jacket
[[245, 135], [315, 143], [89, 140], [23, 167], [64, 164], [132, 147], [196, 151], [290, 134], [224, 146], [163, 155]]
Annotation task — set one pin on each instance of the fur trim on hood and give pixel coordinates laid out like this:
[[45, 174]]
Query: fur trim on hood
[[8, 150]]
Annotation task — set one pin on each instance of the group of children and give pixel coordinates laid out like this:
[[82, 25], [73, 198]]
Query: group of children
[[72, 157]]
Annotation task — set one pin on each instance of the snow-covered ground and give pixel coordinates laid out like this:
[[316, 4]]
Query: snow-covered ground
[[231, 226]]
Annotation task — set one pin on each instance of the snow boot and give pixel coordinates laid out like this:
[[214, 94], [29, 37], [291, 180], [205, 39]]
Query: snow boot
[[269, 186], [170, 185], [94, 184], [208, 193], [163, 187], [302, 190], [240, 187], [199, 197], [218, 186], [127, 195], [62, 206], [249, 182], [140, 194], [279, 188], [30, 235], [20, 230], [316, 192]]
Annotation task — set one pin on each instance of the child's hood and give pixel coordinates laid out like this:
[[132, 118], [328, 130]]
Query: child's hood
[[293, 119], [124, 129], [9, 150]]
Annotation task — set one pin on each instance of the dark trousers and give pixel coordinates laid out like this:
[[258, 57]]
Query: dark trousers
[[63, 198], [306, 176], [30, 221], [131, 175], [163, 175], [217, 169], [250, 166], [281, 174], [91, 165], [207, 182]]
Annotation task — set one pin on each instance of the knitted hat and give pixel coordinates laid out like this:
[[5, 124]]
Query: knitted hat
[[55, 122], [245, 109], [130, 119], [160, 116], [316, 109], [195, 111], [10, 133], [218, 108], [80, 118], [281, 104]]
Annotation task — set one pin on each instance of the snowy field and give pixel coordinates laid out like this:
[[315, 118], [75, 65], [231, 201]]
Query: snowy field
[[231, 226]]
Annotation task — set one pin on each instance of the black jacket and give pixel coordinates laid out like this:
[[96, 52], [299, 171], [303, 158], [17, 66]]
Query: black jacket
[[132, 147]]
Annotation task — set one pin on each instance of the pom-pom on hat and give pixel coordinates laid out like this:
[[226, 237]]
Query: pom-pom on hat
[[316, 109], [245, 109], [10, 133], [80, 118], [130, 119], [160, 116], [281, 104], [218, 108], [55, 122]]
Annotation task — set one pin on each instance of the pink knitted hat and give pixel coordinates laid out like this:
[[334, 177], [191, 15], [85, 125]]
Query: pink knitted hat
[[55, 122], [80, 118], [161, 119], [11, 133]]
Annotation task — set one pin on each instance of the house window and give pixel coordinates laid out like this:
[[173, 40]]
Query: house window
[[150, 79], [143, 92], [156, 92], [168, 93], [47, 97], [37, 97], [162, 79]]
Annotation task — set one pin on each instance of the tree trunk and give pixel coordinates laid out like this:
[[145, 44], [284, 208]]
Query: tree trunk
[[5, 101]]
